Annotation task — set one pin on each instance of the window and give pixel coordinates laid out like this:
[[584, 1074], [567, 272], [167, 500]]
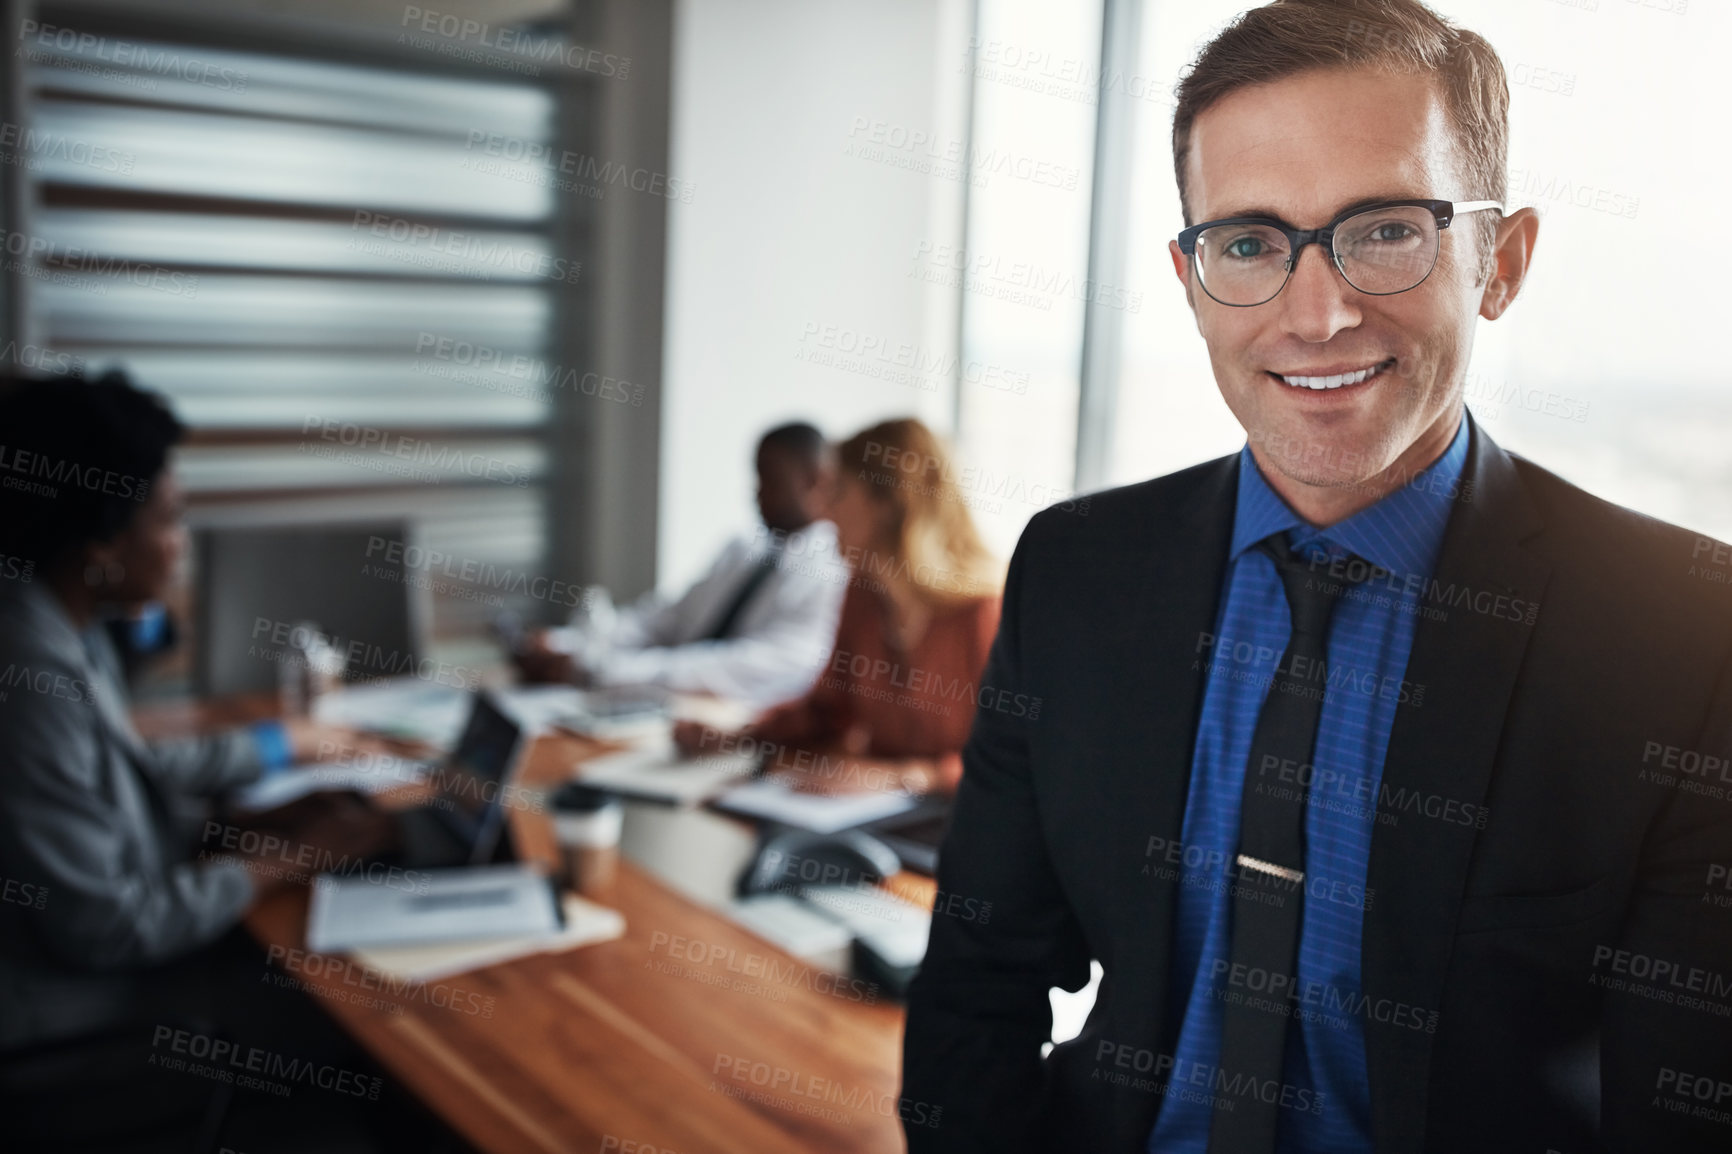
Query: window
[[1024, 270], [1605, 370]]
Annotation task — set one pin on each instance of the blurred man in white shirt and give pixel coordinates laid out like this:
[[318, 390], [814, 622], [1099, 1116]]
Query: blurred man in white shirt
[[756, 628]]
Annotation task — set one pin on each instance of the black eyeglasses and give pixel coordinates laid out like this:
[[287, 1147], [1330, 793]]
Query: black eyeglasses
[[1381, 249]]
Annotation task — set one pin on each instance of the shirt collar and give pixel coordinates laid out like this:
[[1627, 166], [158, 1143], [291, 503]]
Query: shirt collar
[[1402, 532]]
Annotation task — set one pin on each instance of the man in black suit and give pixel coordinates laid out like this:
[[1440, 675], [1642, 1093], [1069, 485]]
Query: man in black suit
[[1387, 776]]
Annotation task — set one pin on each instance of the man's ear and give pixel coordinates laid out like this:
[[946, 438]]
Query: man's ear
[[1511, 255], [1182, 270], [100, 557], [821, 490]]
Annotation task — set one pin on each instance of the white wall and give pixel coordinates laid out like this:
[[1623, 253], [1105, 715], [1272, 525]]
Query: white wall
[[790, 229]]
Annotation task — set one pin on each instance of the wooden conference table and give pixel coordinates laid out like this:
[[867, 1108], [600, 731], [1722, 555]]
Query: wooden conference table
[[628, 1045]]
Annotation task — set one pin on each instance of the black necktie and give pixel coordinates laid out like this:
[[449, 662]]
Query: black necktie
[[761, 570], [1269, 874]]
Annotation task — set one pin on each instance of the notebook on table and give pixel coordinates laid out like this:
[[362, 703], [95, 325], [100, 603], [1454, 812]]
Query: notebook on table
[[424, 907]]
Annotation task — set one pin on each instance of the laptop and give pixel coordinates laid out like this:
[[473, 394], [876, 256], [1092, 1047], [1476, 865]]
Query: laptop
[[473, 781], [467, 886], [464, 824]]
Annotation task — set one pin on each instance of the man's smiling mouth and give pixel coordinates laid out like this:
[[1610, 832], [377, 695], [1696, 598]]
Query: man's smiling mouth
[[1334, 379]]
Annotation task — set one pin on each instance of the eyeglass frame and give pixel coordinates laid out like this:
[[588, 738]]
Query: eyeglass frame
[[1443, 211]]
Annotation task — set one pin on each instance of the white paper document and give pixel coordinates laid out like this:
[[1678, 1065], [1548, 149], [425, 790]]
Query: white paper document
[[405, 707], [539, 707], [376, 775], [655, 771], [772, 799], [426, 906], [794, 926], [896, 930]]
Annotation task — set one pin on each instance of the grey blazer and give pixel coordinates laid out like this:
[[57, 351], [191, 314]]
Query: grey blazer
[[98, 877]]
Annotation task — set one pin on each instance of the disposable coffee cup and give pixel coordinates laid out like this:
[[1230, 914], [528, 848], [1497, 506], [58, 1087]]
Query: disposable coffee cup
[[587, 823]]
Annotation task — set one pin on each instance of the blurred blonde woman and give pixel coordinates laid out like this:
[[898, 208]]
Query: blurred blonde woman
[[896, 699]]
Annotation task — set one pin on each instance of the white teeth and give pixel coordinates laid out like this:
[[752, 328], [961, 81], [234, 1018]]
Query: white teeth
[[1334, 382]]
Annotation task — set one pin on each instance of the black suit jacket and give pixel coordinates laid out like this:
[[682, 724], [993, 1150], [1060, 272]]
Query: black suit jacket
[[1506, 943]]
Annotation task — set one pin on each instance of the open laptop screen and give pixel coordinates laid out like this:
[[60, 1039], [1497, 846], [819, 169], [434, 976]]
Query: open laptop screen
[[474, 780]]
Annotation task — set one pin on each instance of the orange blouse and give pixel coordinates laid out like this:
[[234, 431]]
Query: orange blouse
[[875, 700]]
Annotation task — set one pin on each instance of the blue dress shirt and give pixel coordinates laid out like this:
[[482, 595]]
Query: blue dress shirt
[[1370, 638]]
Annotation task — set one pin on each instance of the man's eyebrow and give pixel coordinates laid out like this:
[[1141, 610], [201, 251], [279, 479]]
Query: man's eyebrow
[[1351, 206]]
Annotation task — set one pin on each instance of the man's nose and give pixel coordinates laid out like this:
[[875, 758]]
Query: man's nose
[[1318, 302]]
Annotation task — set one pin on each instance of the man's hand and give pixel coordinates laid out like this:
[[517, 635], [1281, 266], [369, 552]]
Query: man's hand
[[350, 827], [696, 738], [540, 662], [310, 835]]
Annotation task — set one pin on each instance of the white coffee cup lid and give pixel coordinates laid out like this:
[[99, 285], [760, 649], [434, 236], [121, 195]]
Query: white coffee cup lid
[[597, 828]]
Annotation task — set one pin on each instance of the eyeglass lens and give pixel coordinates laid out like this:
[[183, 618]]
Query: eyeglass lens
[[1379, 251]]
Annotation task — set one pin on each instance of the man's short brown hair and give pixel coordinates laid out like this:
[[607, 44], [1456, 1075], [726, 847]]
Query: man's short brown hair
[[1288, 37]]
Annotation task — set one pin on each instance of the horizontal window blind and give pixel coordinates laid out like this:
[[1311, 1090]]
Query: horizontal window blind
[[345, 296]]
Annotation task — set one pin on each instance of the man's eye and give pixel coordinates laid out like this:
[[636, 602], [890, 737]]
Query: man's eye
[[1392, 232], [1245, 248]]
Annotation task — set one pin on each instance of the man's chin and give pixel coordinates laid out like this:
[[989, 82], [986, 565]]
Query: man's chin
[[1334, 460], [1336, 479]]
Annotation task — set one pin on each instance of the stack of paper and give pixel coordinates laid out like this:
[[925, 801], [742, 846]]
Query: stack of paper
[[431, 923], [655, 771], [585, 924], [420, 907], [772, 799]]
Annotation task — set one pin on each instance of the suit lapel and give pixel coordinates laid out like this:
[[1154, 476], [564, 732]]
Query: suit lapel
[[1156, 688], [113, 712], [1440, 759], [1180, 600]]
